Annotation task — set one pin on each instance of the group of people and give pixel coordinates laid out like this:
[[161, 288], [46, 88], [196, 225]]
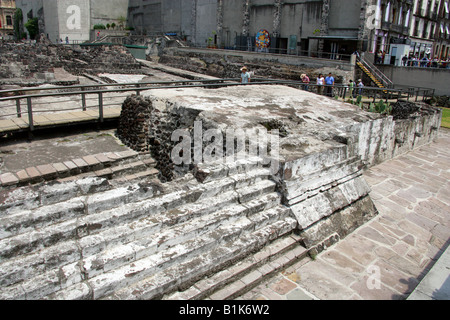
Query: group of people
[[324, 84], [425, 62]]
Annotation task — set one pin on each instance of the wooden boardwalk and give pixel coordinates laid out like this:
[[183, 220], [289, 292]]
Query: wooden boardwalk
[[45, 121]]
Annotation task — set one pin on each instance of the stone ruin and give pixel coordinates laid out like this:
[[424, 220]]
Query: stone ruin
[[26, 64], [325, 144], [89, 239]]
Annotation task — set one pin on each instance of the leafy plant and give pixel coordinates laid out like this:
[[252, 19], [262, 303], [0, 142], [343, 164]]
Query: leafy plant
[[33, 27], [122, 21], [18, 24], [99, 27], [358, 101], [381, 107]]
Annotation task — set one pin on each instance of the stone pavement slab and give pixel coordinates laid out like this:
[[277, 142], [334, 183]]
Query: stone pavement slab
[[388, 257], [436, 284]]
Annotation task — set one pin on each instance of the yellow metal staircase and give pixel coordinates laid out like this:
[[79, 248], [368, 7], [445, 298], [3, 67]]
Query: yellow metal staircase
[[375, 75], [370, 75]]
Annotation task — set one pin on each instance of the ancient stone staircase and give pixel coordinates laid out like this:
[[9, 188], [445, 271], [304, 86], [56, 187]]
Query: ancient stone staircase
[[115, 166], [89, 239]]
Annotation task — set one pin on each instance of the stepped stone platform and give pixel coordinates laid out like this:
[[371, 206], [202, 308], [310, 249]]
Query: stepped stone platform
[[209, 225]]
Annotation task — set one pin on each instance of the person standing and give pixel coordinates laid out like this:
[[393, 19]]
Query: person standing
[[405, 60], [320, 83], [351, 87], [305, 80], [245, 76], [329, 81], [360, 86]]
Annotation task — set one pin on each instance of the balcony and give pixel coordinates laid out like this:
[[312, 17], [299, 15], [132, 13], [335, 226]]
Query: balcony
[[397, 28], [386, 26]]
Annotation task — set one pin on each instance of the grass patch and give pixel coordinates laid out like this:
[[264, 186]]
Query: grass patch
[[446, 118]]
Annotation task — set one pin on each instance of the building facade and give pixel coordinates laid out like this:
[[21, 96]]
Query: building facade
[[7, 12], [73, 19], [442, 32]]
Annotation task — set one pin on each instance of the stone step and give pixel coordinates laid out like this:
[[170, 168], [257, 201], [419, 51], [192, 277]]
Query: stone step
[[241, 277], [28, 221], [185, 274], [245, 283], [298, 189], [132, 222], [31, 197], [118, 234], [131, 169], [130, 267], [73, 169], [179, 235], [115, 207]]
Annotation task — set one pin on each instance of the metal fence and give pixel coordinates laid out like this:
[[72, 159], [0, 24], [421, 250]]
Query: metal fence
[[23, 102]]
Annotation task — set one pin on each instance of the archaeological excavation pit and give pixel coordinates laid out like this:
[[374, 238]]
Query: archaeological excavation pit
[[88, 239], [324, 145]]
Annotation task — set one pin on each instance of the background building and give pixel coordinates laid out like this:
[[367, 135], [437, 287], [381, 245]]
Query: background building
[[74, 19], [442, 32], [7, 11], [424, 25]]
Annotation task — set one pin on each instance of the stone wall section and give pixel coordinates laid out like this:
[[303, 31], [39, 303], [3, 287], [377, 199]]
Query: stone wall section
[[227, 64], [28, 62]]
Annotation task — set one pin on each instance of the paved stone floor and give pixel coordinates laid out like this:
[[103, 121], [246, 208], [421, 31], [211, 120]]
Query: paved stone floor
[[388, 257]]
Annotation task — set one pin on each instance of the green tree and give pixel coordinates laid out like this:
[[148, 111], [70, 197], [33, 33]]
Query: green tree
[[33, 27], [122, 22], [18, 24]]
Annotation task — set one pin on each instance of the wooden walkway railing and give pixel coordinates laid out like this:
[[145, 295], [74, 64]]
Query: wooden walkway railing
[[17, 112]]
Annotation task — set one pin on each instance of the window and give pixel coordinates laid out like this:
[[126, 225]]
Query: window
[[407, 18], [388, 11], [416, 28], [424, 31], [9, 21], [433, 31]]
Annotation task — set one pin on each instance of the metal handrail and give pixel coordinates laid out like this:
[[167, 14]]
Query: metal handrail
[[374, 70], [133, 84], [139, 87]]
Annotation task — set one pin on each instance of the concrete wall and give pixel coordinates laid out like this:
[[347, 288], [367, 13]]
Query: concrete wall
[[300, 18], [419, 77], [32, 6], [74, 18], [108, 11], [51, 20], [156, 16], [206, 20], [344, 19], [253, 57]]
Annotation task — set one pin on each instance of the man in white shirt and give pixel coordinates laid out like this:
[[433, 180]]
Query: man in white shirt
[[245, 76]]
